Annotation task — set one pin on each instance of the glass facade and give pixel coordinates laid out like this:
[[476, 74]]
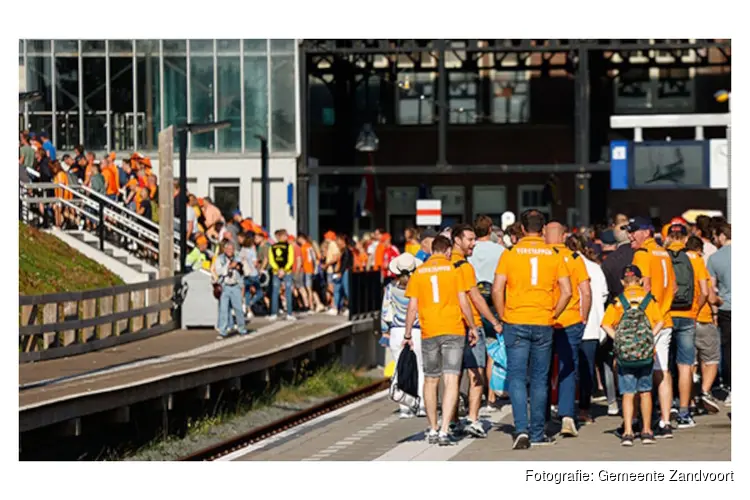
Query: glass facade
[[118, 94]]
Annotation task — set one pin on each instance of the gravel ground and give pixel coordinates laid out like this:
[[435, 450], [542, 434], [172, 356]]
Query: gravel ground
[[174, 448]]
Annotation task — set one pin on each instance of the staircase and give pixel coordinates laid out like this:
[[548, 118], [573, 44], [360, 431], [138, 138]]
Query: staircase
[[117, 253]]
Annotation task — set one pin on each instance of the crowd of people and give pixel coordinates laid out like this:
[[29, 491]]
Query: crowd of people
[[580, 314]]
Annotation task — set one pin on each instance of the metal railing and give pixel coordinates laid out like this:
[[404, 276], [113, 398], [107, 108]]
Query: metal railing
[[65, 324]]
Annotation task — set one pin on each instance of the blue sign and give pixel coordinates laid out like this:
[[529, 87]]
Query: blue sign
[[290, 198], [618, 164]]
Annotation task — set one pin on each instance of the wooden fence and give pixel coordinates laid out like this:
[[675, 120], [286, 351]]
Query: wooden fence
[[65, 324]]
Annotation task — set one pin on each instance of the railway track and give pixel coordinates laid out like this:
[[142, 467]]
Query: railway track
[[266, 431]]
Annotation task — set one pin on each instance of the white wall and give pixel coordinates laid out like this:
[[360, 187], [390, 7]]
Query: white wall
[[281, 171]]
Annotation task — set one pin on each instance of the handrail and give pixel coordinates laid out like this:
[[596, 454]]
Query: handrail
[[120, 207], [33, 300]]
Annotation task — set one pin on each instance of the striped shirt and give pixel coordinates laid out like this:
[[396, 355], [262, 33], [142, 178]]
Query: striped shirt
[[393, 313]]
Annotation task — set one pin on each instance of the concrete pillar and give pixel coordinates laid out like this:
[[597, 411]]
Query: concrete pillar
[[166, 215]]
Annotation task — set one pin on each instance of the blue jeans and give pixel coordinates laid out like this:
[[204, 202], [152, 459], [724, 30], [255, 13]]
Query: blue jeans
[[586, 372], [567, 342], [339, 284], [257, 296], [529, 350], [231, 297], [276, 284]]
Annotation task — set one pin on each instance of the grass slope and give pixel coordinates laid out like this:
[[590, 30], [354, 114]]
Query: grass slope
[[47, 265]]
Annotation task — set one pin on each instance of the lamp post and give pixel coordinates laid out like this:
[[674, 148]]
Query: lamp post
[[726, 96], [265, 197], [183, 130]]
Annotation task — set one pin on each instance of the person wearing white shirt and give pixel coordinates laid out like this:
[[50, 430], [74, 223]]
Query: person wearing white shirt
[[593, 333]]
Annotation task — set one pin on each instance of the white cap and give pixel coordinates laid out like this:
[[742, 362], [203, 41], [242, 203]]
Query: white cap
[[404, 262]]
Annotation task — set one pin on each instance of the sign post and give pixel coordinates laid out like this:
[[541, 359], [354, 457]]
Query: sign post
[[429, 213]]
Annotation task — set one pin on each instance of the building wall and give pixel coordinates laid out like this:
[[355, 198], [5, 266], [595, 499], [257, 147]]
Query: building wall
[[214, 176]]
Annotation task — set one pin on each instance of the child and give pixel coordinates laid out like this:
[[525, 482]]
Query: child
[[634, 349]]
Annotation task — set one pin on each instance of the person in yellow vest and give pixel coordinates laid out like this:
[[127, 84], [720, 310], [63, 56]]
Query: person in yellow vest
[[412, 245]]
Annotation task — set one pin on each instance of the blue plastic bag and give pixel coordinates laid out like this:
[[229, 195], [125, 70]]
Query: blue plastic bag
[[496, 350]]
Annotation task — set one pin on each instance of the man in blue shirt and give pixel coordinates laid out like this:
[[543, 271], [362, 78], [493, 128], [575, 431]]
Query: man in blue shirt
[[425, 240], [48, 146], [720, 270]]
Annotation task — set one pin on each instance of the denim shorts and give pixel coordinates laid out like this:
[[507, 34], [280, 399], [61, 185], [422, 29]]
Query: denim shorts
[[308, 280], [632, 380], [683, 334], [476, 356], [442, 355]]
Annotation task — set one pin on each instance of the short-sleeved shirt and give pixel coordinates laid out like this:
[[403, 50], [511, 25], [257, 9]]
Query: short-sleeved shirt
[[578, 274], [700, 273], [484, 258], [532, 269], [635, 295], [655, 263], [28, 156], [308, 258], [720, 267], [51, 150], [436, 284], [470, 280]]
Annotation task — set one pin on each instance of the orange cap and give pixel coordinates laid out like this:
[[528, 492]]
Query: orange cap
[[201, 239], [291, 237], [112, 156], [385, 237], [201, 202], [330, 235], [146, 161]]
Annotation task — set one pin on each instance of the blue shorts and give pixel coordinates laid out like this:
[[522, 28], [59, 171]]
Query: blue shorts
[[476, 356], [632, 380], [308, 280], [683, 335]]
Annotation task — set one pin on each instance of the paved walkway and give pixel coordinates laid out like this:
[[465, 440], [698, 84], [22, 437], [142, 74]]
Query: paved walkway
[[174, 352], [371, 430]]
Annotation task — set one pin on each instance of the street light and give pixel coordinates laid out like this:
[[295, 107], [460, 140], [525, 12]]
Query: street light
[[265, 197], [726, 96], [183, 130]]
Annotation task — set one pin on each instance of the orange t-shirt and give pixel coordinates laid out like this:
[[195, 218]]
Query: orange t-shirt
[[635, 295], [470, 280], [655, 263], [700, 273], [532, 269], [308, 259], [379, 255], [578, 274], [435, 284], [62, 179], [361, 260], [112, 178]]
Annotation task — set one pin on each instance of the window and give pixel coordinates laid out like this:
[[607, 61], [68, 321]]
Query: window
[[121, 98], [68, 109], [202, 91], [283, 116], [175, 84], [94, 106], [462, 97], [39, 77], [490, 201], [256, 92], [229, 94], [415, 96], [510, 97], [225, 194], [147, 94], [530, 196]]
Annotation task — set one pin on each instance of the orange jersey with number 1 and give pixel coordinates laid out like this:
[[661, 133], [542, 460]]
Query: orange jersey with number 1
[[466, 270], [655, 263], [532, 269], [435, 284]]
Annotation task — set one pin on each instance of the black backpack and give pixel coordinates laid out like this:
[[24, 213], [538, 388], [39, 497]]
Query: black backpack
[[683, 272]]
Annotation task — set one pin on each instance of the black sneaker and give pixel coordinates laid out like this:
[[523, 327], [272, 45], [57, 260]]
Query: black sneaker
[[709, 403], [627, 440], [685, 421], [663, 431], [647, 438], [521, 442], [637, 426], [546, 441]]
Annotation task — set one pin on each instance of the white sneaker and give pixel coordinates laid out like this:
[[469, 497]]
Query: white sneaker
[[421, 412], [404, 414], [332, 312], [272, 317], [569, 427], [249, 314], [613, 410], [728, 400], [289, 317], [244, 309]]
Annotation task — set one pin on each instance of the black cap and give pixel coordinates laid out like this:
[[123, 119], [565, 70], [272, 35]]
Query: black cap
[[427, 233], [631, 270], [639, 223]]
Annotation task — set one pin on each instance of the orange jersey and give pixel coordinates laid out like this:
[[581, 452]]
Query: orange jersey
[[379, 255], [62, 179], [435, 284], [655, 263], [470, 280], [532, 269], [308, 258], [578, 274], [700, 273], [635, 295], [113, 181]]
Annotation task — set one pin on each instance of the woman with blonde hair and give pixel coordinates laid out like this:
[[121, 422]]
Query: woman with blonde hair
[[393, 320]]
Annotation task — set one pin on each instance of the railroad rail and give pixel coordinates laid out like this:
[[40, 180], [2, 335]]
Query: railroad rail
[[266, 431]]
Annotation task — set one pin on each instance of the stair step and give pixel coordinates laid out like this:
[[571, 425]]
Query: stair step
[[110, 252], [122, 259]]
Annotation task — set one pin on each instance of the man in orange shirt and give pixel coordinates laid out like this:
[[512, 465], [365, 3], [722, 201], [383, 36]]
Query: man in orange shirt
[[524, 292], [691, 277], [309, 268], [437, 293], [658, 278], [569, 326], [475, 356], [707, 340]]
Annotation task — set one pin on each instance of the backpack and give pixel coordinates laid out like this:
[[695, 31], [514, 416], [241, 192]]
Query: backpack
[[683, 272], [634, 339], [405, 385]]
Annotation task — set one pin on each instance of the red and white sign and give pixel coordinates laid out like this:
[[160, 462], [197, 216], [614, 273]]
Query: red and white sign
[[429, 213]]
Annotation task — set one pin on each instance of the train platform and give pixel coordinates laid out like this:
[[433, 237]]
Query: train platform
[[370, 430], [69, 388]]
